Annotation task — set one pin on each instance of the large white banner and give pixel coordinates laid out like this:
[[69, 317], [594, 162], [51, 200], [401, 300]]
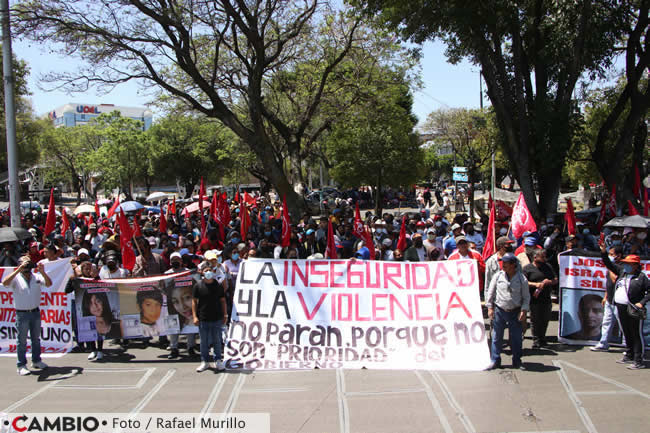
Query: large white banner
[[56, 316], [582, 289], [303, 314]]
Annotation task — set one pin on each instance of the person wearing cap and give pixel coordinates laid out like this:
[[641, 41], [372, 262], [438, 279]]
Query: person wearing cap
[[507, 300], [386, 250], [525, 252], [34, 253], [465, 253], [96, 240], [180, 299], [493, 264], [148, 263], [571, 242], [632, 287], [610, 315], [112, 268], [311, 245], [473, 235], [416, 252]]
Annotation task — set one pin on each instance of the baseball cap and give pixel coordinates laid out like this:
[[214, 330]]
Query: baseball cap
[[210, 255], [509, 258], [504, 240], [184, 251], [82, 251], [530, 241], [92, 226], [419, 224], [478, 226], [569, 238], [309, 232], [175, 255], [387, 242], [460, 239], [631, 258], [455, 227]]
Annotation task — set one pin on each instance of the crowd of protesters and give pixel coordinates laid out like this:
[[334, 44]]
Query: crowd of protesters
[[520, 277]]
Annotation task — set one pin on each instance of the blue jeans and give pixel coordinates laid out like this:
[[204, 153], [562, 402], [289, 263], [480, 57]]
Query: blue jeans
[[210, 334], [28, 322], [511, 320], [611, 314]]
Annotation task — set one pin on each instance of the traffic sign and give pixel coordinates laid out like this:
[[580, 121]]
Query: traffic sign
[[460, 169], [459, 177]]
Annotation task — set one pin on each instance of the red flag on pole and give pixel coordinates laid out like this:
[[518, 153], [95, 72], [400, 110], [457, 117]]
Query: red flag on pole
[[173, 207], [637, 182], [490, 246], [65, 223], [522, 220], [646, 204], [570, 217], [603, 212], [201, 194], [369, 243], [218, 215], [111, 211], [97, 210], [286, 223], [237, 198], [50, 222], [358, 229], [330, 251], [136, 224], [162, 227], [249, 199], [631, 210], [214, 206], [245, 220], [401, 242], [611, 204], [126, 242]]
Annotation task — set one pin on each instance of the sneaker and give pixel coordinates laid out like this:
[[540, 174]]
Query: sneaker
[[99, 357], [173, 354], [204, 366], [625, 360], [600, 348], [191, 352], [24, 371], [493, 366], [220, 365], [536, 346], [92, 356], [39, 365], [521, 366], [636, 366]]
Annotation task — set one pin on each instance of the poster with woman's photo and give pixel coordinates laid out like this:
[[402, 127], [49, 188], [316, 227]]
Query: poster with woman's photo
[[139, 307], [98, 311]]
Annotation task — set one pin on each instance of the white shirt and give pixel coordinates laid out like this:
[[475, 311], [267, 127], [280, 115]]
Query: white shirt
[[27, 295], [96, 241], [620, 295], [233, 268], [106, 274], [422, 254]]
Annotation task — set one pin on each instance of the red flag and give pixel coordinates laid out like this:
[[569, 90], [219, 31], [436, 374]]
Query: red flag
[[237, 198], [646, 205], [603, 213], [369, 243], [173, 207], [214, 206], [358, 229], [637, 183], [201, 194], [503, 211], [490, 246], [162, 227], [286, 223], [401, 242], [51, 215], [90, 220], [111, 211], [126, 242], [611, 204], [218, 216], [631, 210], [224, 213], [330, 251], [97, 210], [570, 217], [522, 220], [65, 224], [249, 199], [136, 224], [245, 220]]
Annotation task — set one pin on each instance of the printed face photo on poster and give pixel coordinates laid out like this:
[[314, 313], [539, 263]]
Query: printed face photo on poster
[[582, 315]]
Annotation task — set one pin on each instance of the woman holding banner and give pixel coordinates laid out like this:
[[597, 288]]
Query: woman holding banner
[[631, 293]]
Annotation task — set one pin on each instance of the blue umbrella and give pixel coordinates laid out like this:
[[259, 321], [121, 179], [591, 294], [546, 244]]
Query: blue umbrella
[[153, 209], [129, 206]]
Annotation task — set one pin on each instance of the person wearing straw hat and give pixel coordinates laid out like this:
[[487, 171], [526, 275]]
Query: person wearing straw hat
[[631, 292]]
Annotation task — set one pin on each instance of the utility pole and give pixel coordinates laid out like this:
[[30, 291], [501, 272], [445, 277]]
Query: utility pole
[[494, 151], [10, 117]]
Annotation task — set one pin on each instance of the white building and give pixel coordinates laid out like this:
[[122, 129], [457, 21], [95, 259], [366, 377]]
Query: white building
[[74, 114]]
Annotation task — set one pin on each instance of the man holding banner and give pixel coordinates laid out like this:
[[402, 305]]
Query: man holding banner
[[27, 299]]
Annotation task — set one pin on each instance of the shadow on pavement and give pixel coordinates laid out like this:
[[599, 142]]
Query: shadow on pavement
[[58, 373], [538, 367]]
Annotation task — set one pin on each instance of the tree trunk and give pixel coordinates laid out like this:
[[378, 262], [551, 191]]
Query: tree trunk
[[470, 193], [549, 194], [378, 198]]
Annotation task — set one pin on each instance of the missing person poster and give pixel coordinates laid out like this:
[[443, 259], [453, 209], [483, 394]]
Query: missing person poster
[[299, 314], [134, 307], [582, 289], [56, 320]]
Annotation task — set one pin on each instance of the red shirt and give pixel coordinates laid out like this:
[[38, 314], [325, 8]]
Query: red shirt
[[479, 259]]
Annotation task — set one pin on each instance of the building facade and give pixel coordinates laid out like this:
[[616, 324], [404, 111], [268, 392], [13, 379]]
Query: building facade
[[74, 114]]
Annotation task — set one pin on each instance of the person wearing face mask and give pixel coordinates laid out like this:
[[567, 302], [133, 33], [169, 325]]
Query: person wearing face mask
[[465, 253], [541, 279], [637, 243], [449, 243], [589, 241], [610, 313], [473, 236], [416, 252], [631, 287], [26, 288], [112, 269], [493, 264], [431, 243]]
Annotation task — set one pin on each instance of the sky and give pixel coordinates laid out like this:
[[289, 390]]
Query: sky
[[444, 85]]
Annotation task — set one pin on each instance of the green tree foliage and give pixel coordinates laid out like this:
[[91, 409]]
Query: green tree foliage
[[219, 58], [27, 127], [187, 148], [375, 145], [532, 54]]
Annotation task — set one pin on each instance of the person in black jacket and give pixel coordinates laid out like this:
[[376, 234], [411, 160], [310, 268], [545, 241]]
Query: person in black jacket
[[631, 287]]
